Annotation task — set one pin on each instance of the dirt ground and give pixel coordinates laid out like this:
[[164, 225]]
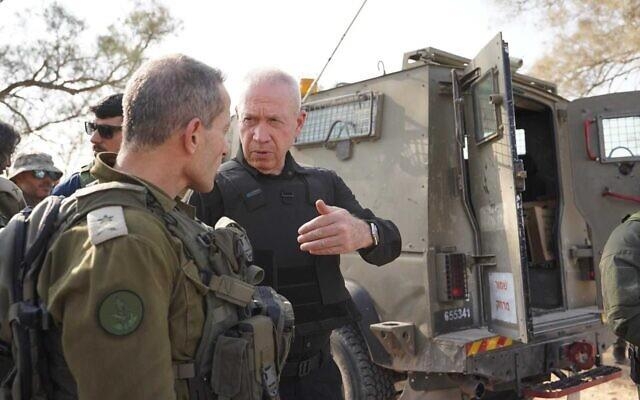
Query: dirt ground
[[620, 389]]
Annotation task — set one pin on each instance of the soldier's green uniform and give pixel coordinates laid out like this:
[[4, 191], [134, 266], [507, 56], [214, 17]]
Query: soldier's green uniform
[[11, 200], [127, 309], [620, 270], [620, 266]]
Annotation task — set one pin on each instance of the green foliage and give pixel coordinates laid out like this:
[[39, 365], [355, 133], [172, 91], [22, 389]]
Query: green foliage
[[55, 75], [596, 42]]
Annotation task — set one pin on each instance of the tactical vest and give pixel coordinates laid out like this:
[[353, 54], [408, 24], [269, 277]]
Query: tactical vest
[[247, 329], [313, 284]]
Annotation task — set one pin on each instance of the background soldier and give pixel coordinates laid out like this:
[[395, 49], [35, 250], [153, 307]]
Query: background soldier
[[299, 221], [35, 175], [106, 135], [124, 290], [620, 267], [11, 199]]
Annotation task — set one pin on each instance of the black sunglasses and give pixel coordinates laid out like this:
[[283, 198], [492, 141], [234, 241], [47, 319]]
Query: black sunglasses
[[41, 173], [105, 131]]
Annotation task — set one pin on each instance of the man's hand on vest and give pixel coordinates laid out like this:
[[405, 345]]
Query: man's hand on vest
[[334, 231]]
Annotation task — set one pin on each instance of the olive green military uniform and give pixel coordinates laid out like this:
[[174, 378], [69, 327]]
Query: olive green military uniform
[[620, 267], [11, 200], [127, 310]]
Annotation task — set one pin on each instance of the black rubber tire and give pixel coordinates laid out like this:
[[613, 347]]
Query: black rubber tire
[[361, 378]]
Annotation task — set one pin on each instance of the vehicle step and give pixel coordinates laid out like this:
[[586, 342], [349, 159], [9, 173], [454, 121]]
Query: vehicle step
[[574, 383]]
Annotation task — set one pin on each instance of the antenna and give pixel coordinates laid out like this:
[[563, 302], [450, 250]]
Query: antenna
[[315, 81]]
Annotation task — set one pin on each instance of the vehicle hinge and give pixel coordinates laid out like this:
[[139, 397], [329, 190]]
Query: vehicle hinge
[[483, 260], [576, 252]]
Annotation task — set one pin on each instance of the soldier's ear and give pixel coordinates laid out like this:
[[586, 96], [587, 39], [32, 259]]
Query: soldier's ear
[[192, 135]]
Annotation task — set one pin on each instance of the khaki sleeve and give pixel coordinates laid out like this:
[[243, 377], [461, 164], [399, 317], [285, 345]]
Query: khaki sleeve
[[620, 275], [112, 301], [9, 205]]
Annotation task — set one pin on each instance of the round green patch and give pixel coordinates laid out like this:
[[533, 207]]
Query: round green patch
[[121, 312]]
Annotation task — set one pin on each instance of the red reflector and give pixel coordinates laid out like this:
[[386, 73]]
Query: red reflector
[[581, 354], [456, 277]]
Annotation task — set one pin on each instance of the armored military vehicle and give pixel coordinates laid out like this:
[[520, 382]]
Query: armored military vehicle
[[505, 194]]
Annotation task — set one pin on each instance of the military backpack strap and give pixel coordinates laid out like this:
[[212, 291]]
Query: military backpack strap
[[26, 315]]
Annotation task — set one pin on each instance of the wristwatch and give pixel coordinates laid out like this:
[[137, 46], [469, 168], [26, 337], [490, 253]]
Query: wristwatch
[[374, 233]]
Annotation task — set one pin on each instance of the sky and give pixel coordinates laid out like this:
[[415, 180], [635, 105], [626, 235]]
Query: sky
[[298, 36]]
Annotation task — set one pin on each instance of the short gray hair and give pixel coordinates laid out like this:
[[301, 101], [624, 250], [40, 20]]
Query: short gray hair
[[272, 76], [164, 95]]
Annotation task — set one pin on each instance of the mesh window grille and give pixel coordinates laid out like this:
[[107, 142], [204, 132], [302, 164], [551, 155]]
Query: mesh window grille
[[339, 118], [621, 137]]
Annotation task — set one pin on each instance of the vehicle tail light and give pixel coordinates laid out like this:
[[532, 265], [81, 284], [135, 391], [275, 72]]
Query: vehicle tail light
[[452, 276], [581, 354]]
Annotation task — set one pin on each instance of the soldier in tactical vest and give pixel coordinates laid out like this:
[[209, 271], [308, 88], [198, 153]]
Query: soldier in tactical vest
[[105, 133], [299, 220], [620, 272], [141, 293], [11, 199]]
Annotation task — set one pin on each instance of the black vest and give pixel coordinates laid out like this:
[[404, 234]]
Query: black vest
[[271, 209]]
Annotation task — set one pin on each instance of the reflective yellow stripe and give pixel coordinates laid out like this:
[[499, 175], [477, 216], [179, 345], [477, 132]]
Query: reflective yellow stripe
[[492, 342], [480, 346], [475, 346]]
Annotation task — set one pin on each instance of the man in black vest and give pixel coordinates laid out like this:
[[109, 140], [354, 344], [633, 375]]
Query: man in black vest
[[299, 221]]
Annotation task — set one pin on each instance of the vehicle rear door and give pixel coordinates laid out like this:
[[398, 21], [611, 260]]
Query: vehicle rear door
[[492, 162]]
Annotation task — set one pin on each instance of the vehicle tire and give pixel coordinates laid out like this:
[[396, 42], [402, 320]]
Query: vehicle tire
[[361, 378]]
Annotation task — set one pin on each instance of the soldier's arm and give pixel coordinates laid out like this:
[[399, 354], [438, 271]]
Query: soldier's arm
[[620, 266], [112, 301]]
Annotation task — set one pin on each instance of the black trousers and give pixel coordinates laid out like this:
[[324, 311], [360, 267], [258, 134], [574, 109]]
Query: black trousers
[[324, 383]]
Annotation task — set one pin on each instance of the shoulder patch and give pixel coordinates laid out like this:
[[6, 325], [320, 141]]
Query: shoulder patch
[[120, 313], [106, 223]]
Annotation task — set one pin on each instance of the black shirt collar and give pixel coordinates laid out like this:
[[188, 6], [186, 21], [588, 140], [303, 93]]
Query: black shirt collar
[[290, 165]]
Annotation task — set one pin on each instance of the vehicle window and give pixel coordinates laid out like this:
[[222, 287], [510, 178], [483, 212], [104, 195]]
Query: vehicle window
[[620, 138], [486, 116], [344, 117]]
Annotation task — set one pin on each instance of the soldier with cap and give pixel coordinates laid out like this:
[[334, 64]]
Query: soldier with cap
[[105, 133], [35, 175], [11, 199]]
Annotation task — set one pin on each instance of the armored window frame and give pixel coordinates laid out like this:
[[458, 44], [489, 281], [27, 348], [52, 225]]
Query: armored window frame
[[631, 130], [480, 109], [353, 116]]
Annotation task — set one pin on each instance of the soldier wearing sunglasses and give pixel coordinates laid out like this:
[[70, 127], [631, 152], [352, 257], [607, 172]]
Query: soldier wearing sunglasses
[[11, 199], [35, 175], [106, 135]]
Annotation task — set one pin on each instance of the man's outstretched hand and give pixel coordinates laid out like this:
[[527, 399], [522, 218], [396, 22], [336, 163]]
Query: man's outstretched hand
[[334, 231]]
